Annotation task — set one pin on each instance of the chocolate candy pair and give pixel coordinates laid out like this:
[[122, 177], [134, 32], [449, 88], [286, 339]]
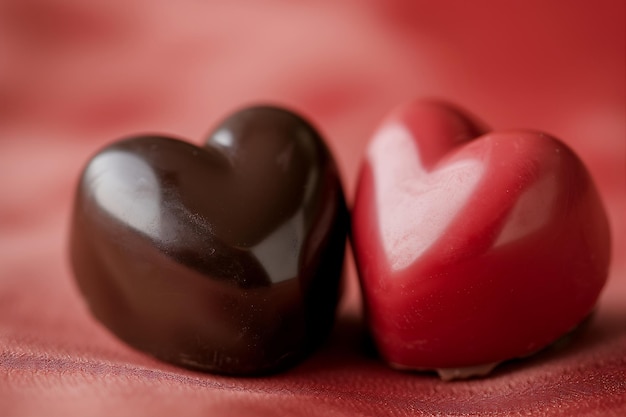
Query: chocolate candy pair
[[473, 247], [225, 258]]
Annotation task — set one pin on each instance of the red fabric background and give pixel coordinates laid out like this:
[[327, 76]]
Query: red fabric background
[[75, 75]]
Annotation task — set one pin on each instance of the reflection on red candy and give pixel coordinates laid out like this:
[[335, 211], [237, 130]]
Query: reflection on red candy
[[473, 247]]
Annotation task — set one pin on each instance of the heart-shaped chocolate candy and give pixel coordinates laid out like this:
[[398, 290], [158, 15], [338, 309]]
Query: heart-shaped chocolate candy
[[473, 247], [225, 258]]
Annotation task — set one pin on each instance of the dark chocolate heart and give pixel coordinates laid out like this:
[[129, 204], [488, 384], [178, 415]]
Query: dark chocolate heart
[[225, 258]]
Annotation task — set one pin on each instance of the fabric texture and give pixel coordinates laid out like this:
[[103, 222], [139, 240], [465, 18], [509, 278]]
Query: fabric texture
[[77, 75]]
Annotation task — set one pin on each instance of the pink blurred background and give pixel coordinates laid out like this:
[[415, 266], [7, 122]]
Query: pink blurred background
[[75, 75]]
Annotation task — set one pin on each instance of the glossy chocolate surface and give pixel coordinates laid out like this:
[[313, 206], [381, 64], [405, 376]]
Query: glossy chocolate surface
[[225, 258]]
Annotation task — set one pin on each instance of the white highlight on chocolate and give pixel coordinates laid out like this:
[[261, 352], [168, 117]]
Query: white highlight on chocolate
[[126, 187], [531, 212], [224, 138], [279, 252], [415, 207]]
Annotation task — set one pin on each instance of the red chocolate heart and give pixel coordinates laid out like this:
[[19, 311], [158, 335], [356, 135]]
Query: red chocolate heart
[[473, 247]]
